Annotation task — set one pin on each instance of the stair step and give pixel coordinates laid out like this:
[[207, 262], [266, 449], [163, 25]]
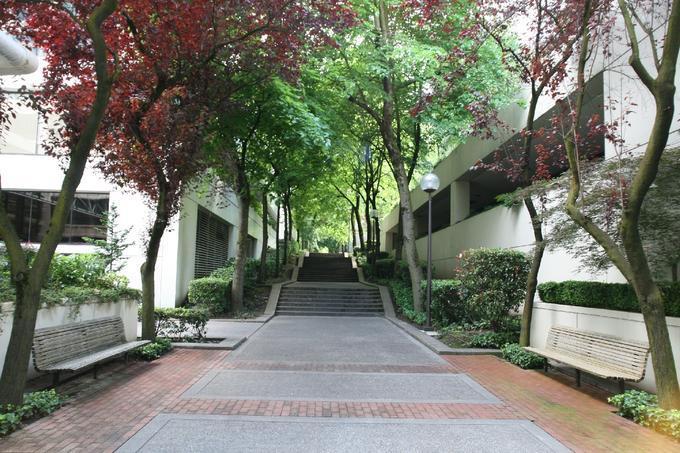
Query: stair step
[[314, 313], [332, 306]]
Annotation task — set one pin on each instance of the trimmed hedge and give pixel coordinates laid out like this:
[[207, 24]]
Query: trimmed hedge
[[493, 283], [610, 296], [447, 305], [177, 322], [212, 292]]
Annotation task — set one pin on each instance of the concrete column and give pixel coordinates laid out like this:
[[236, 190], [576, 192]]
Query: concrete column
[[460, 201]]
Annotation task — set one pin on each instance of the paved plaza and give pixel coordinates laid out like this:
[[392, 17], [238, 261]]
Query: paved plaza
[[330, 384]]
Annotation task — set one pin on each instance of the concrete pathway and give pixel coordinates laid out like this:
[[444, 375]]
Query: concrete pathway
[[161, 406], [336, 360]]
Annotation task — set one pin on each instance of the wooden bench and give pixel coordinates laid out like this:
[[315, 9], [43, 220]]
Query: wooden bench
[[75, 346], [595, 353]]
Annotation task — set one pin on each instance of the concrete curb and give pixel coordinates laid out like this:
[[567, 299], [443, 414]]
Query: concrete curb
[[228, 344], [431, 343], [388, 305]]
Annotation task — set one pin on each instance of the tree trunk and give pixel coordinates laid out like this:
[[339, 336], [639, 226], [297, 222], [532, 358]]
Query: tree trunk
[[369, 229], [394, 153], [29, 281], [354, 231], [285, 233], [536, 223], [290, 220], [399, 243], [148, 269], [262, 274], [238, 281], [360, 228], [16, 368], [631, 259], [532, 278], [278, 238]]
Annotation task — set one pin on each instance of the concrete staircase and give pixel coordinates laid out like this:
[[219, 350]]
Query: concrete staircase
[[327, 285], [321, 267], [329, 301]]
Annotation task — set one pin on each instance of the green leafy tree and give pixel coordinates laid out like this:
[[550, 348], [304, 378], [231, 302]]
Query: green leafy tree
[[391, 64], [113, 247]]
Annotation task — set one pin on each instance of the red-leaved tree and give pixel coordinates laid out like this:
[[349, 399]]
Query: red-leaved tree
[[77, 38], [537, 38]]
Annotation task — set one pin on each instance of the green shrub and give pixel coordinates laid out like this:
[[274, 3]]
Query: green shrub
[[177, 322], [39, 404], [642, 407], [633, 404], [212, 292], [610, 296], [83, 269], [493, 340], [154, 350], [515, 354], [447, 305], [493, 283], [383, 268], [9, 422], [36, 404], [403, 299], [664, 421]]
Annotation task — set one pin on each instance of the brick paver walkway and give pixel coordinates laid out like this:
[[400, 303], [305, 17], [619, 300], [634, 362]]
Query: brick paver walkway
[[103, 416]]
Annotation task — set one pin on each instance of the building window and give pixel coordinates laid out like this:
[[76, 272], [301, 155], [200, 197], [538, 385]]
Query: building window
[[30, 213], [251, 246], [212, 243]]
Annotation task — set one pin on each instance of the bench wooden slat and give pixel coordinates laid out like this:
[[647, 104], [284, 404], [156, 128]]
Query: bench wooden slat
[[83, 362], [71, 347], [599, 354]]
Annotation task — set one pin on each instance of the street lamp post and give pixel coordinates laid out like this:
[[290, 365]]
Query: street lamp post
[[429, 184]]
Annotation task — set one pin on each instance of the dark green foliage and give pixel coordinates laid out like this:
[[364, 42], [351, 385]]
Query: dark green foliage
[[35, 405], [403, 299], [514, 353], [214, 291], [447, 305], [211, 292], [493, 283], [176, 323], [385, 268], [493, 340], [642, 407], [154, 350], [611, 296]]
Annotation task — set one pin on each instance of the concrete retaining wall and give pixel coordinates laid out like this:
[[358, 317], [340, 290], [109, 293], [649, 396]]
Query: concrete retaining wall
[[65, 314]]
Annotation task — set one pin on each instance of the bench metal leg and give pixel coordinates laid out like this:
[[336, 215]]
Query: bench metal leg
[[622, 386], [127, 358], [55, 379], [578, 378], [546, 365], [94, 371]]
